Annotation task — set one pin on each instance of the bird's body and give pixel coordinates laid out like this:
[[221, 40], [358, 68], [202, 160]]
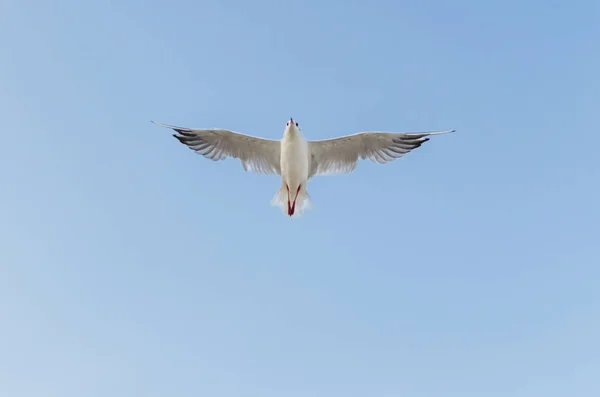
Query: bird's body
[[297, 160], [295, 166]]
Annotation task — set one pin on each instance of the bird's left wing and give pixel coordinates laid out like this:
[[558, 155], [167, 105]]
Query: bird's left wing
[[259, 155], [340, 155]]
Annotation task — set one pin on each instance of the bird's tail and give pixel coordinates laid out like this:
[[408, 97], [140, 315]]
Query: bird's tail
[[285, 200]]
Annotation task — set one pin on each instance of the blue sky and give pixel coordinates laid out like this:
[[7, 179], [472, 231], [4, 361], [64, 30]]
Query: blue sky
[[131, 266]]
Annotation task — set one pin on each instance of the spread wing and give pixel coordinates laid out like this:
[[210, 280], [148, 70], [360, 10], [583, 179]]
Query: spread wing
[[259, 155], [340, 155]]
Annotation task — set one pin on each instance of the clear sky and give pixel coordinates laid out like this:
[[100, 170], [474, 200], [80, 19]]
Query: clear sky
[[130, 266]]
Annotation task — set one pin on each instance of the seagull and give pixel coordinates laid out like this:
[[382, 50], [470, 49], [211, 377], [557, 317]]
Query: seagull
[[296, 159]]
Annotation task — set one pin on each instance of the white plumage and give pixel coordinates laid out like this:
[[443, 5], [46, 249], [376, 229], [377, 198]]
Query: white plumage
[[297, 160]]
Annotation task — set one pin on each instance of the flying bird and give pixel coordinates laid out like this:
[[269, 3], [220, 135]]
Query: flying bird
[[296, 159]]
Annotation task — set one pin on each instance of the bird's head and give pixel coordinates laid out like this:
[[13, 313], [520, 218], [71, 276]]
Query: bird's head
[[292, 125]]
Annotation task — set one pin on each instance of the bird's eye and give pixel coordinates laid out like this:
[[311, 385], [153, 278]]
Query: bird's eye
[[296, 124]]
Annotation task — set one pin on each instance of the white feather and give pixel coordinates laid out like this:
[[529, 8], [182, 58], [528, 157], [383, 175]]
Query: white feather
[[297, 160], [340, 155], [262, 156]]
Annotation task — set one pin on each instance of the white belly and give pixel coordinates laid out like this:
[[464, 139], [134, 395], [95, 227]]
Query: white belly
[[294, 159]]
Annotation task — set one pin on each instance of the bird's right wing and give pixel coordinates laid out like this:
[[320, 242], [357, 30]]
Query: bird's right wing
[[340, 155], [259, 155]]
